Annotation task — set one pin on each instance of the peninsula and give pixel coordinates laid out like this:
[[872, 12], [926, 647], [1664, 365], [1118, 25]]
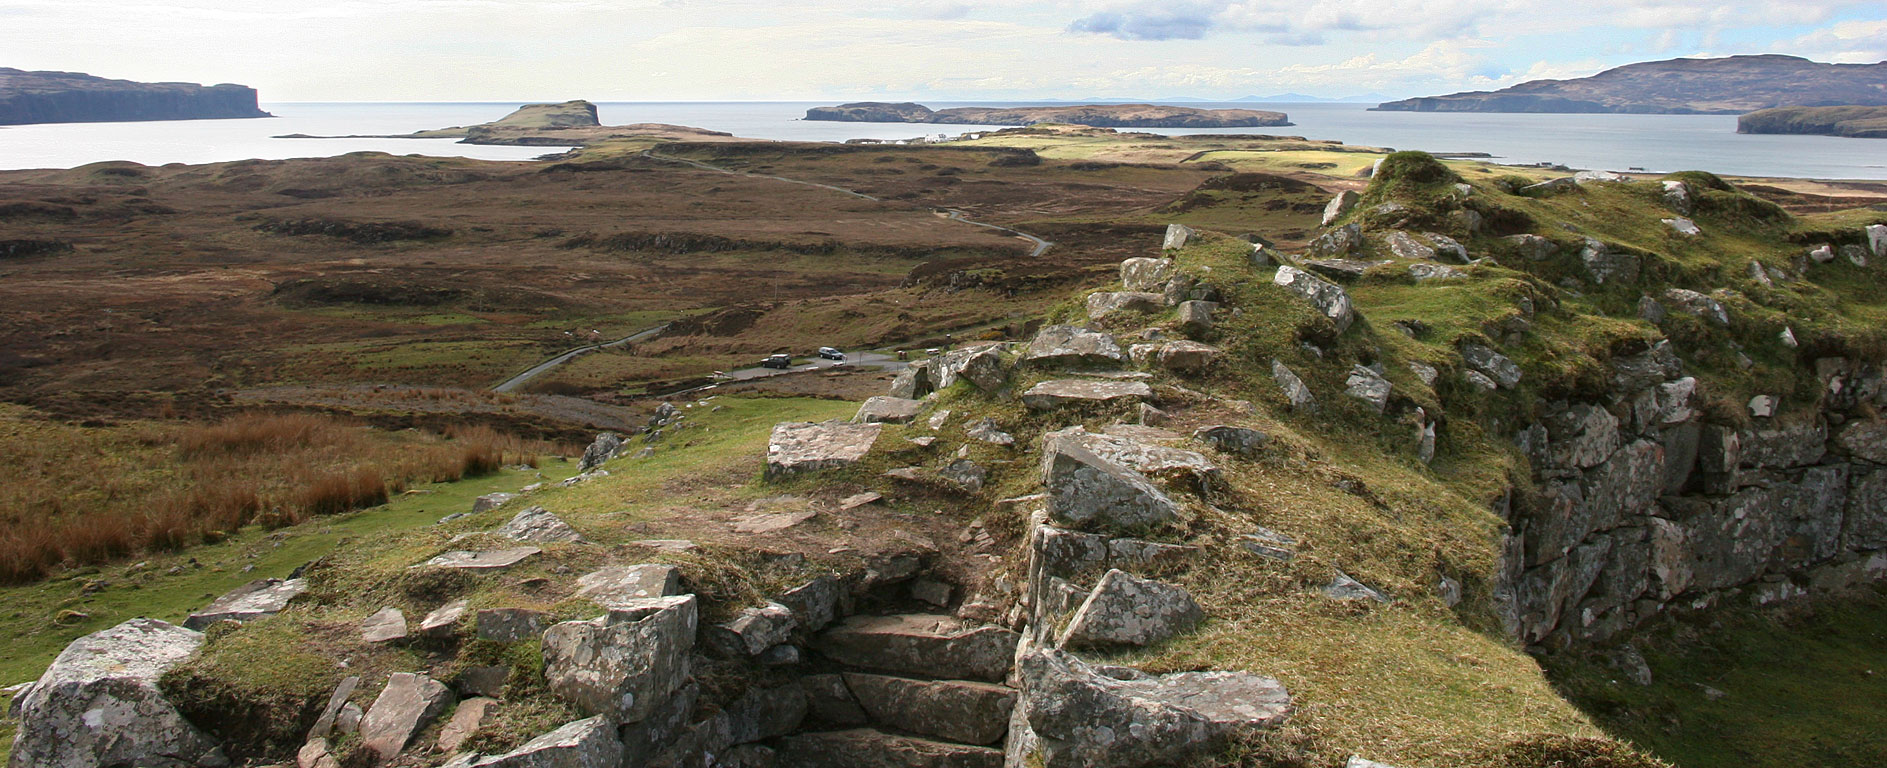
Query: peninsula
[[1849, 122], [566, 124], [71, 97], [1096, 115], [1726, 86]]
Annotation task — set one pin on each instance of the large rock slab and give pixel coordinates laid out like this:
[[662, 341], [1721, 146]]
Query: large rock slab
[[478, 561], [803, 446], [621, 584], [1293, 387], [624, 664], [1187, 356], [1338, 206], [1327, 297], [385, 626], [1106, 303], [1085, 489], [258, 599], [1072, 345], [538, 525], [888, 410], [406, 706], [1367, 385], [1493, 364], [954, 710], [982, 366], [602, 449], [588, 743], [1177, 236], [1125, 609], [1082, 719], [1337, 243], [867, 748], [1063, 393], [1146, 275], [99, 704], [752, 631], [922, 645], [1151, 459]]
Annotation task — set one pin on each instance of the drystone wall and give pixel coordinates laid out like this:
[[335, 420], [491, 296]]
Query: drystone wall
[[1639, 506]]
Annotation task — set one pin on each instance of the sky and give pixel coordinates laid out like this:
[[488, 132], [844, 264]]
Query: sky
[[939, 50]]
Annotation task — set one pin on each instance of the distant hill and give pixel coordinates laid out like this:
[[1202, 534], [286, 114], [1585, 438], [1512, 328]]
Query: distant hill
[[1851, 122], [565, 124], [1097, 115], [1727, 86], [72, 97]]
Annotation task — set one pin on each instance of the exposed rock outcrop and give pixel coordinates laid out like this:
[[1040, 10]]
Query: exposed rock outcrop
[[71, 97]]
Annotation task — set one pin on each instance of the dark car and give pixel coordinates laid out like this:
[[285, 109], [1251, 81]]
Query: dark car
[[777, 361], [832, 353]]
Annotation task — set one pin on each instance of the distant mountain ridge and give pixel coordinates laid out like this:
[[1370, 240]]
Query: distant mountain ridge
[[1096, 115], [1726, 86], [73, 97]]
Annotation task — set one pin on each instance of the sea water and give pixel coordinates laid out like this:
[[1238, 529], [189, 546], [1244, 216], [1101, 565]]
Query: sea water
[[1610, 142]]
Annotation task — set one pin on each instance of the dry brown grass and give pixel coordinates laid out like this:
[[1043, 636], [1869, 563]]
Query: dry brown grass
[[81, 496]]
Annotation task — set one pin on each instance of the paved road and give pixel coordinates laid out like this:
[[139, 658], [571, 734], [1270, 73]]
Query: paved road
[[1040, 244], [854, 359], [519, 380]]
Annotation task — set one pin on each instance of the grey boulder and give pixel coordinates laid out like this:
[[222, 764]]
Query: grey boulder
[[1063, 393], [625, 663], [538, 525], [1125, 609], [405, 707], [602, 449], [1086, 489], [1071, 345], [1083, 719], [588, 743], [1143, 274], [884, 409], [624, 583], [258, 599], [99, 704], [955, 710], [797, 447], [1328, 298]]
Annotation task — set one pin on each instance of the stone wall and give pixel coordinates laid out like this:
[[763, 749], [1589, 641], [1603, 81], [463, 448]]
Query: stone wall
[[1639, 505]]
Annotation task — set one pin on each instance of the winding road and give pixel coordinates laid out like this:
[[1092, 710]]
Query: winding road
[[863, 358]]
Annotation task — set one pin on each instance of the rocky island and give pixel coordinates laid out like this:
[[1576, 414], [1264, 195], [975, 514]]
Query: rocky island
[[1096, 115], [1726, 86], [71, 97], [567, 124], [1850, 122]]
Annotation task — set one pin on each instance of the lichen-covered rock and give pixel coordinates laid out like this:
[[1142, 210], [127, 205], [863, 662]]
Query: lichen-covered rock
[[1087, 489], [602, 449], [478, 561], [1124, 609], [1294, 389], [405, 706], [491, 501], [385, 626], [1532, 247], [814, 603], [1367, 385], [1683, 226], [1424, 272], [1497, 366], [982, 366], [623, 583], [1328, 298], [258, 599], [957, 710], [510, 625], [1083, 719], [1605, 265], [1865, 439], [987, 431], [99, 704], [625, 663], [1677, 196], [1064, 393], [888, 410], [1195, 317], [538, 525], [1337, 243], [1447, 248], [921, 645], [1144, 274], [1102, 304], [587, 743], [445, 619], [1240, 441], [1338, 206], [913, 382], [1343, 587], [869, 748], [1697, 305], [1072, 345], [1876, 239], [754, 630], [1404, 245], [1177, 236], [802, 446], [1580, 435]]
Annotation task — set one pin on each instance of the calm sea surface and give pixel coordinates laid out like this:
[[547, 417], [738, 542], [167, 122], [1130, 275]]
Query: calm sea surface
[[1615, 142]]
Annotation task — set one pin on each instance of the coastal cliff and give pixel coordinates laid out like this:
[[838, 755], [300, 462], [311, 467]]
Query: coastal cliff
[[1725, 86], [1096, 115], [1850, 122], [71, 97]]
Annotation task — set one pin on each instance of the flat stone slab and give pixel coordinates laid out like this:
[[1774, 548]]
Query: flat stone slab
[[1060, 393], [921, 644], [810, 447], [888, 410], [867, 748], [623, 583], [954, 710], [405, 706], [1125, 609], [1145, 458], [539, 525], [385, 626], [491, 501], [1105, 303], [442, 621], [496, 558], [1072, 345], [588, 743], [1085, 719], [258, 599], [1085, 488]]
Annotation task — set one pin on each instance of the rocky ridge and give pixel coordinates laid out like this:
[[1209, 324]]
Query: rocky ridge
[[71, 97], [1725, 86]]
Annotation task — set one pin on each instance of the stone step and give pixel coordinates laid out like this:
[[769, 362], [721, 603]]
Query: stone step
[[869, 748], [921, 645], [955, 710]]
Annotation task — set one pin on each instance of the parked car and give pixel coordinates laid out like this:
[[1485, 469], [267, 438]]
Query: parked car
[[777, 361], [832, 353]]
